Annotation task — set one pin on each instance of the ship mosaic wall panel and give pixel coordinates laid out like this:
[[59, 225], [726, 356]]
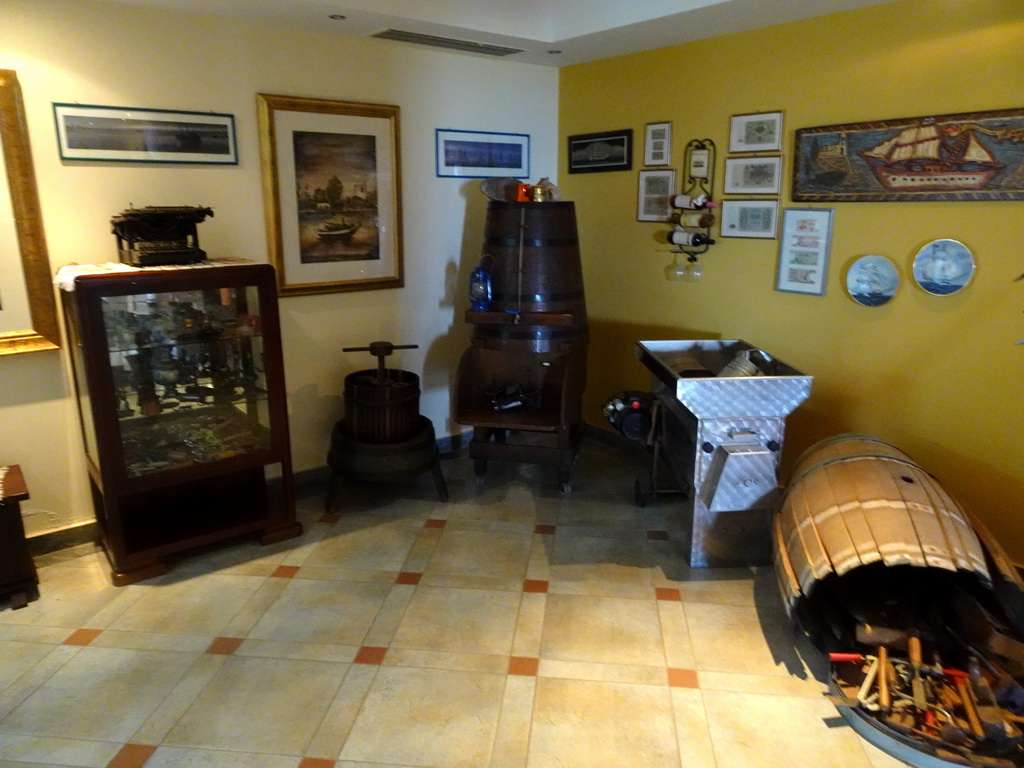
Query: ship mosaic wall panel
[[967, 156]]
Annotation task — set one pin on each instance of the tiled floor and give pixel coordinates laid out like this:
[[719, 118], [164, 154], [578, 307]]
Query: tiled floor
[[512, 627]]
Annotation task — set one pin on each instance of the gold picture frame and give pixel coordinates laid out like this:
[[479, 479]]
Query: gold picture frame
[[35, 305], [332, 192]]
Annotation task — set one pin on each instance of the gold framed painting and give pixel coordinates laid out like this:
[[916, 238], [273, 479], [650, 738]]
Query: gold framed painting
[[28, 309], [332, 191]]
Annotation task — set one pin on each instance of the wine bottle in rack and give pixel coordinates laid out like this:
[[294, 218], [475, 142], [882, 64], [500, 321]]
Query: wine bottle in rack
[[690, 201], [701, 219], [691, 239]]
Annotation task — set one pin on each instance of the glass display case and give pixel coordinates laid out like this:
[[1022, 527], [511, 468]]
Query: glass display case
[[180, 382]]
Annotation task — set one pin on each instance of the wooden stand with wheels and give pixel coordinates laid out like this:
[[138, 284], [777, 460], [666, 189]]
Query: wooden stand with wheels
[[18, 578]]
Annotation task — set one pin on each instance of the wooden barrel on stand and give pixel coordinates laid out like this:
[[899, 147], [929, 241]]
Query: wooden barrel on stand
[[532, 252], [382, 407]]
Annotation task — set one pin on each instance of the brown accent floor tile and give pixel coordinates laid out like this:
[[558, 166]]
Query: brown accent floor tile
[[316, 762], [535, 585], [408, 577], [285, 571], [82, 636], [546, 529], [370, 654], [682, 678], [666, 593], [657, 535], [132, 756], [523, 665], [224, 646], [433, 522]]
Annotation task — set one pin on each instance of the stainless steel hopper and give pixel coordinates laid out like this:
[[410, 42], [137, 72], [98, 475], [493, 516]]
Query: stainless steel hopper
[[722, 436]]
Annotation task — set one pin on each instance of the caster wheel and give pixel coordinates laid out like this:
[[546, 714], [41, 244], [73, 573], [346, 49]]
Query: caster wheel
[[480, 467]]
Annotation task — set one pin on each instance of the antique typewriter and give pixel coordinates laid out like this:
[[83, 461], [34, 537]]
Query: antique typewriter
[[159, 234]]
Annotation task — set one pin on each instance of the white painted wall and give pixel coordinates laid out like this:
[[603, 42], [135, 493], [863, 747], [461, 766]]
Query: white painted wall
[[109, 54]]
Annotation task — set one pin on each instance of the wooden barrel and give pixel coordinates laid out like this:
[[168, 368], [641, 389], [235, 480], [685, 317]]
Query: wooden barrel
[[854, 500], [382, 411], [534, 261]]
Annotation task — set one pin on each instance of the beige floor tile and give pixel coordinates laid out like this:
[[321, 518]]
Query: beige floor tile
[[190, 606], [529, 624], [512, 741], [728, 638], [602, 629], [466, 662], [260, 705], [481, 553], [122, 688], [337, 723], [178, 757], [68, 597], [754, 731], [277, 649], [607, 673], [322, 612], [727, 586], [16, 658], [29, 681], [695, 748], [425, 717], [51, 751], [151, 641], [597, 724], [368, 544], [592, 565], [176, 703], [675, 634], [459, 620], [775, 685]]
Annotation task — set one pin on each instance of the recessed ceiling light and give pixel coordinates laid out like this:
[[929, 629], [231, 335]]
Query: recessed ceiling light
[[337, 17]]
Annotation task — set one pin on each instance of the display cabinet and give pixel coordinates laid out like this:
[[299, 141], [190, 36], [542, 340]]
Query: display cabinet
[[180, 382]]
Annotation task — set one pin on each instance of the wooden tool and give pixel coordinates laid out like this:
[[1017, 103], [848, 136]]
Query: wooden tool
[[916, 682], [884, 698]]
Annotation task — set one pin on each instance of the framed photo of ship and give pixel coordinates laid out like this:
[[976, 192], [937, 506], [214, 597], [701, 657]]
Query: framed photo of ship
[[332, 193], [956, 157]]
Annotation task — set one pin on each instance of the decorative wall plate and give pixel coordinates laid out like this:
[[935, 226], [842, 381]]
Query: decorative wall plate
[[872, 280], [943, 267]]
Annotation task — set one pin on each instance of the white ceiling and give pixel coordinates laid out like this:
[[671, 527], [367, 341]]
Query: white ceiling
[[578, 30]]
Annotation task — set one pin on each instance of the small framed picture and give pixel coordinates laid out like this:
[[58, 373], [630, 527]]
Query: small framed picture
[[596, 152], [700, 161], [655, 196], [658, 144], [481, 154], [753, 175], [803, 250], [750, 218], [760, 132]]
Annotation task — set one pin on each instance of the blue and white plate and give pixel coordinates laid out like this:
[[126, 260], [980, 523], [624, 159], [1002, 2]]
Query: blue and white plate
[[872, 280], [943, 267]]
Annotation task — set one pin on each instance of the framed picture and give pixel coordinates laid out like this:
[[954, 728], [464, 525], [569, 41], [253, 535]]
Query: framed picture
[[658, 144], [753, 175], [968, 156], [804, 249], [750, 218], [28, 309], [127, 135], [760, 132], [332, 192], [596, 152], [481, 154], [655, 196], [700, 163]]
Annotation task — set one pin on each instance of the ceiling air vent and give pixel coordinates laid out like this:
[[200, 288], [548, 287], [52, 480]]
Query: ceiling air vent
[[446, 42]]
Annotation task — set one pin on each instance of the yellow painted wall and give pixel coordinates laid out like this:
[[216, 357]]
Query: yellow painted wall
[[938, 376]]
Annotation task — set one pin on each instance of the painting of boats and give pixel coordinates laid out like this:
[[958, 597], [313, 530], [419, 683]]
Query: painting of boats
[[967, 156]]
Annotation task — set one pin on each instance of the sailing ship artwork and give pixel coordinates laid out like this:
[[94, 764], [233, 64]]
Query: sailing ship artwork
[[943, 267], [967, 156], [872, 281], [336, 190]]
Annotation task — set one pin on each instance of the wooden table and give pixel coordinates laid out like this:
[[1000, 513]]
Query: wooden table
[[18, 578]]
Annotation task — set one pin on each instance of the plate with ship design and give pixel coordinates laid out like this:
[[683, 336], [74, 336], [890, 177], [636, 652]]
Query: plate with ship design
[[872, 280], [943, 267]]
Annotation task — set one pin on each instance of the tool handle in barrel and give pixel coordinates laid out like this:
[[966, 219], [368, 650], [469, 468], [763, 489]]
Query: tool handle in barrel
[[884, 697]]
